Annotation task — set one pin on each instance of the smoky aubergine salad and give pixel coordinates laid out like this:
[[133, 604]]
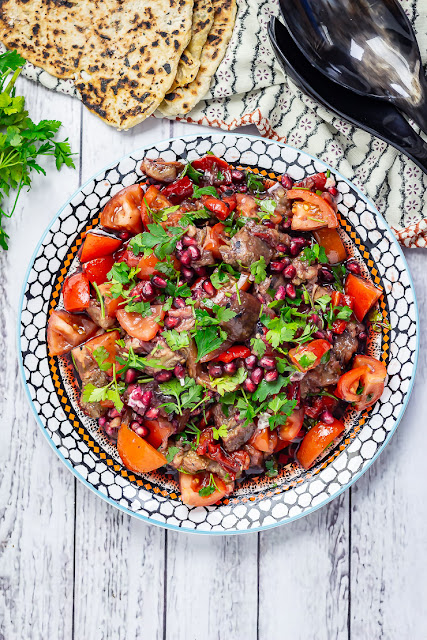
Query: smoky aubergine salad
[[217, 325]]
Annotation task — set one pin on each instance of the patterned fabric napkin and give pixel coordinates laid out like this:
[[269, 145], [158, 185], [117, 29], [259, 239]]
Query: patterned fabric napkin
[[250, 88]]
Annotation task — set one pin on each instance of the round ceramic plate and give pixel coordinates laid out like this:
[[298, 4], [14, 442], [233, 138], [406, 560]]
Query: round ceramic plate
[[257, 504]]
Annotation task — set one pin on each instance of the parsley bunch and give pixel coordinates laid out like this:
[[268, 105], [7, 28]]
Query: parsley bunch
[[22, 141], [187, 396]]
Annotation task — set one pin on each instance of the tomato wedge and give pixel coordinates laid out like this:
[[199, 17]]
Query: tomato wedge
[[98, 246], [136, 453], [330, 240], [139, 327], [307, 356], [292, 427], [215, 238], [65, 331], [160, 430], [311, 211], [264, 440], [316, 440], [238, 351], [76, 292], [246, 205], [156, 201], [218, 207], [365, 294], [97, 270], [147, 266], [364, 384], [122, 212], [110, 304], [190, 486]]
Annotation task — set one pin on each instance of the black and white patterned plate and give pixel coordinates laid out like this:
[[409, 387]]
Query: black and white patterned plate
[[256, 504]]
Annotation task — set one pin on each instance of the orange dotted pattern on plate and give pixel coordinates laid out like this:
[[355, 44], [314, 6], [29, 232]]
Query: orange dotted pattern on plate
[[138, 481]]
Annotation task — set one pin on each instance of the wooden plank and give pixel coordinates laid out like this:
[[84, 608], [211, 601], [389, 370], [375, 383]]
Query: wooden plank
[[389, 518], [36, 490], [211, 587], [119, 570], [303, 576]]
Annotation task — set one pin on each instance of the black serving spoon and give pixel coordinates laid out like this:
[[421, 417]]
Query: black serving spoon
[[367, 46], [381, 119]]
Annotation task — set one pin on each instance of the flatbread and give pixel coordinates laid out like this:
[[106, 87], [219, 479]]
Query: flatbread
[[122, 56], [203, 17], [183, 99]]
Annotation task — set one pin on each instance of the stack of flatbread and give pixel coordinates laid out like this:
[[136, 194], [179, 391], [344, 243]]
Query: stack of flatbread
[[127, 58]]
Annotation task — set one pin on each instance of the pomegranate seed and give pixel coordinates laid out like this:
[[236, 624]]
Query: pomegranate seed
[[286, 262], [257, 375], [163, 376], [276, 266], [111, 428], [189, 242], [280, 293], [290, 291], [248, 385], [102, 421], [237, 176], [326, 275], [327, 417], [268, 224], [131, 376], [135, 425], [171, 322], [296, 246], [185, 258], [353, 267], [363, 335], [147, 291], [286, 181], [271, 376], [299, 332], [194, 252], [200, 271], [321, 335], [147, 397], [178, 303], [250, 362], [187, 273], [113, 413], [179, 371], [290, 271], [142, 431], [282, 248], [330, 336], [209, 288], [159, 282], [230, 368], [152, 413], [180, 245], [286, 224], [124, 235], [267, 362], [333, 191], [215, 370]]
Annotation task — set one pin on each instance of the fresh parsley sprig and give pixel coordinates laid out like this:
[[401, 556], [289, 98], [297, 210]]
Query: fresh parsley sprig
[[22, 141], [111, 391], [187, 396]]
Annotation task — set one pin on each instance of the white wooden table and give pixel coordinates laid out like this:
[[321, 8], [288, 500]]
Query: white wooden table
[[73, 567]]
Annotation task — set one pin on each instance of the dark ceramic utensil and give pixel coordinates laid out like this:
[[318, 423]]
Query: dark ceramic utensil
[[367, 46], [380, 119]]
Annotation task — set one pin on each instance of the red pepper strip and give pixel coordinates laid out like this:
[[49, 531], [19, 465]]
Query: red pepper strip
[[179, 190], [239, 351], [231, 202], [217, 207]]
